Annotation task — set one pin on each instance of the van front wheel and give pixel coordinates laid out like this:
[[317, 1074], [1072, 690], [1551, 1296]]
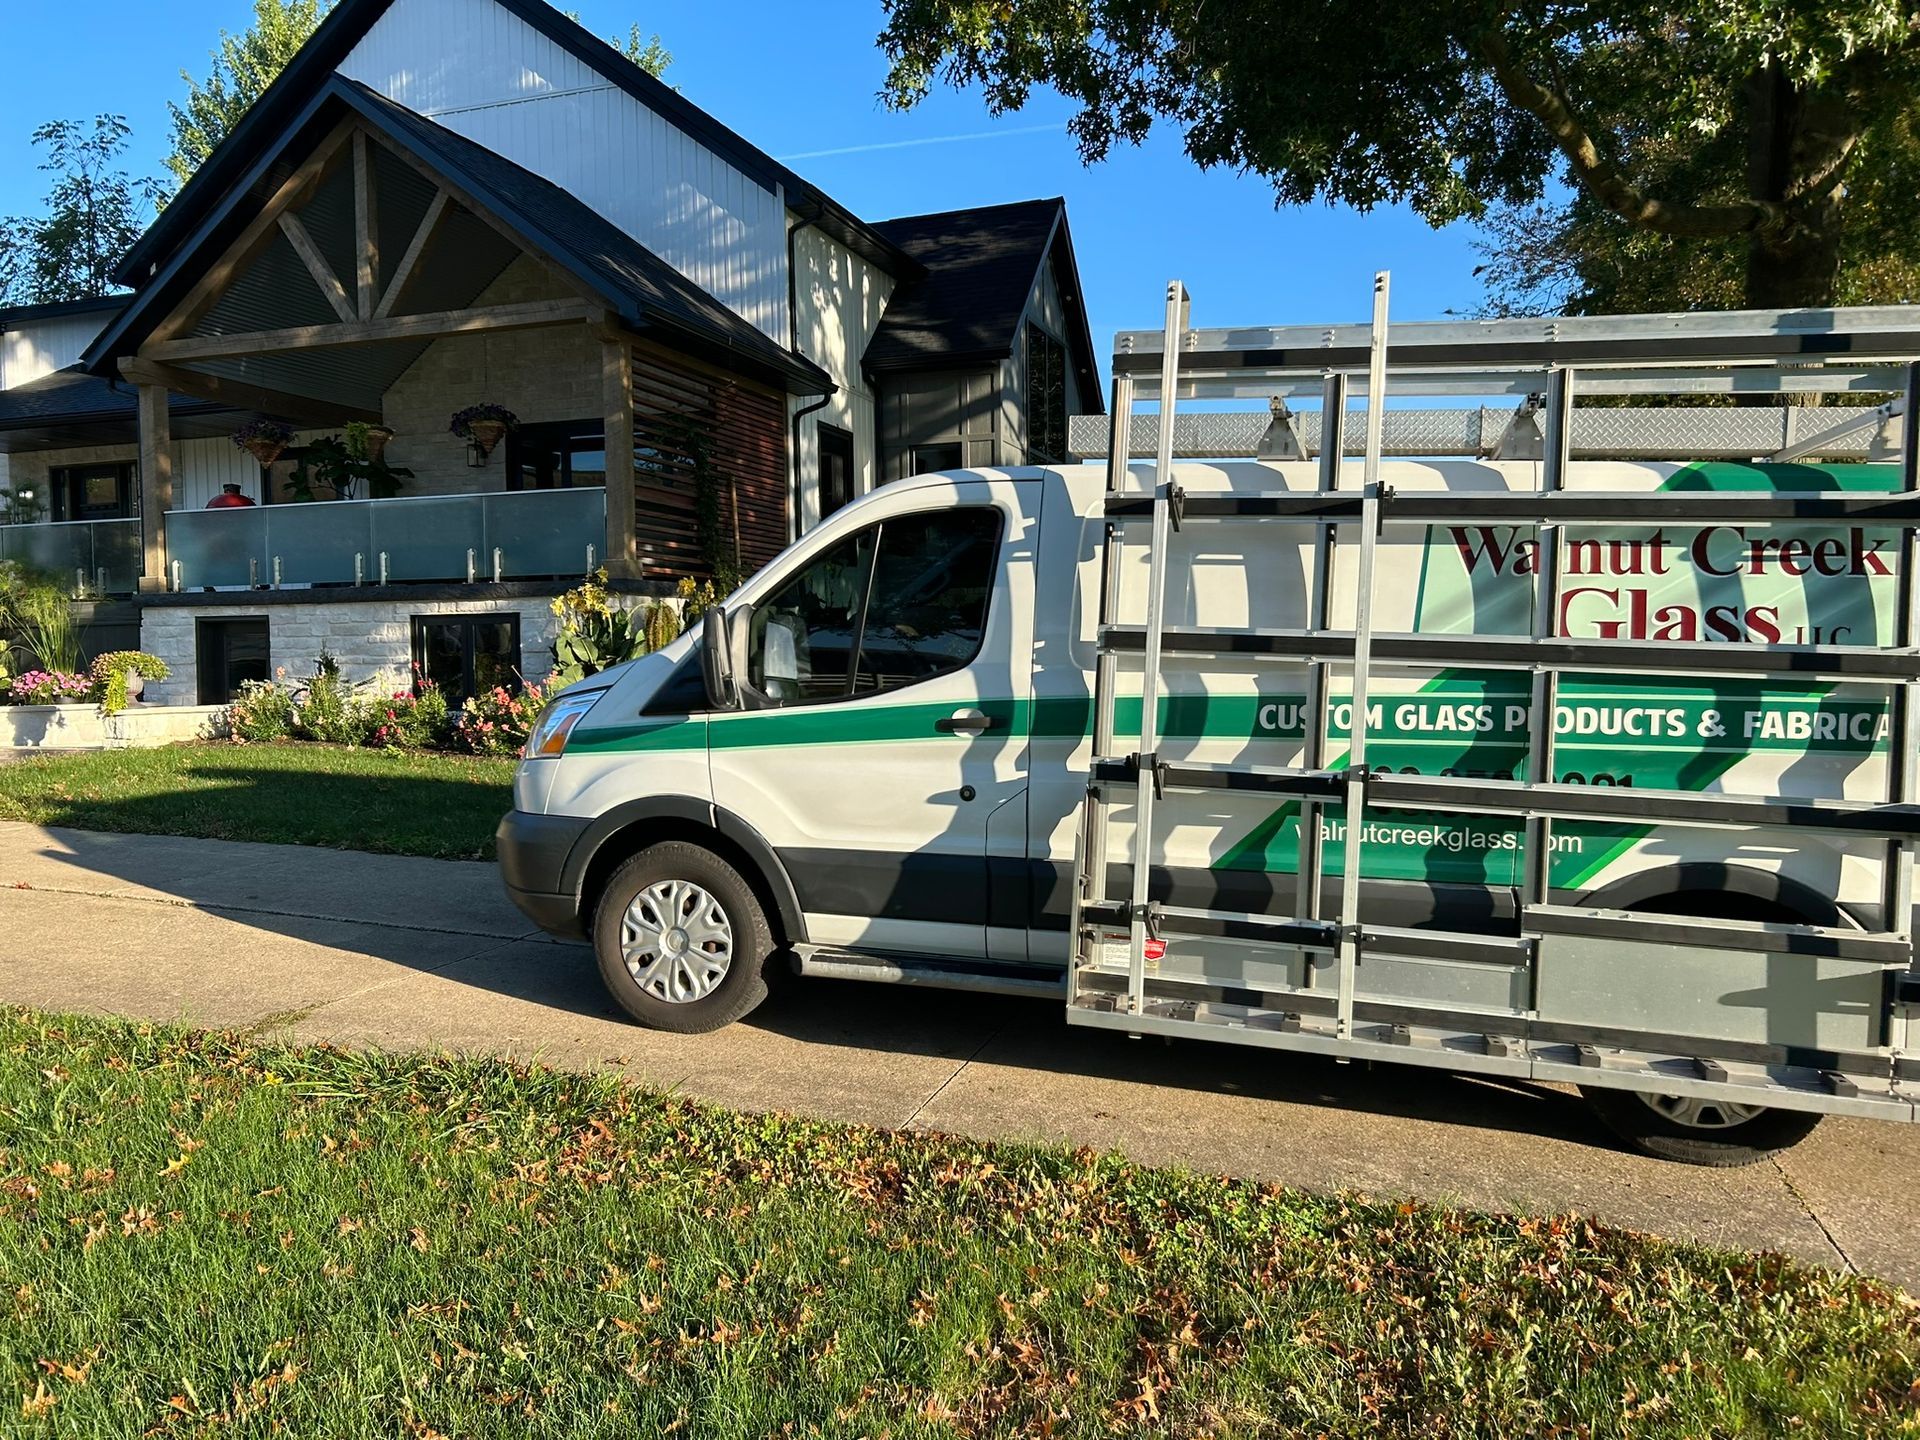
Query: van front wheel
[[681, 940], [1698, 1132]]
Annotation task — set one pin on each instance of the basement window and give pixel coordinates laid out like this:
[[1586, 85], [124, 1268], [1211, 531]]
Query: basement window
[[227, 654], [467, 655]]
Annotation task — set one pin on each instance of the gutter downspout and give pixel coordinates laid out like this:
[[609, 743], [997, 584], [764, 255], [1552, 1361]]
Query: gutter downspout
[[793, 342]]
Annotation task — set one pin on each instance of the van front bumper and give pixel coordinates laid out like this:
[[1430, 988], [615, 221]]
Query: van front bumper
[[533, 852]]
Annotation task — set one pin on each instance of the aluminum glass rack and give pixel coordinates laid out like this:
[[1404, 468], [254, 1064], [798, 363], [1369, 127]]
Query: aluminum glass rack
[[1604, 997]]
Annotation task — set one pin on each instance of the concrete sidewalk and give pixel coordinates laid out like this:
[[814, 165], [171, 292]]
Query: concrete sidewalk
[[360, 949]]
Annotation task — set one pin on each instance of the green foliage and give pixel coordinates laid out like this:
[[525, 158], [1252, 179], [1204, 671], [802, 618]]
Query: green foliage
[[20, 507], [416, 719], [330, 711], [389, 1244], [595, 634], [263, 712], [1754, 127], [244, 65], [341, 467], [110, 672], [498, 721], [646, 51], [91, 215], [36, 620]]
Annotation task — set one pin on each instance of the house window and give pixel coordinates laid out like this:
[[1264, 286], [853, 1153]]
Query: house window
[[557, 456], [227, 654], [467, 655], [836, 469], [93, 492], [897, 603], [1046, 397], [929, 458]]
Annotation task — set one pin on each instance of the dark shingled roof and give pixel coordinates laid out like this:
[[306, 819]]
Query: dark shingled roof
[[637, 284], [981, 265], [71, 407]]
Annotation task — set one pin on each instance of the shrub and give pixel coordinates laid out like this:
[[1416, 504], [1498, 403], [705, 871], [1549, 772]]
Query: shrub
[[110, 673], [57, 687], [263, 712], [594, 633], [331, 713], [497, 721], [37, 620], [414, 719]]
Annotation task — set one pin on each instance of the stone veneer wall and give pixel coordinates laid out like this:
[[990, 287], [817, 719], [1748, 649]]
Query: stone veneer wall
[[368, 638], [540, 375]]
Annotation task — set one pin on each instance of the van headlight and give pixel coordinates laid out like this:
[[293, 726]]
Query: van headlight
[[556, 722]]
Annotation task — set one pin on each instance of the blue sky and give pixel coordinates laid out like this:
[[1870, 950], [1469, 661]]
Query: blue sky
[[1139, 218]]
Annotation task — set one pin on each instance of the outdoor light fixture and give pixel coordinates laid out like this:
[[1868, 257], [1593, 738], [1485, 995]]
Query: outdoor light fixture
[[476, 457]]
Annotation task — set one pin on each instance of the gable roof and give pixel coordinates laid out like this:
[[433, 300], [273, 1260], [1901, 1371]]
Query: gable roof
[[12, 315], [636, 284], [981, 265], [349, 21]]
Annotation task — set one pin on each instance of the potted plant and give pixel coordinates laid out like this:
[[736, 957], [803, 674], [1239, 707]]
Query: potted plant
[[485, 425], [367, 442], [264, 439], [334, 462], [121, 676]]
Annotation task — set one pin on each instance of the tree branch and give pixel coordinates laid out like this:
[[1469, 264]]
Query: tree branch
[[1602, 179]]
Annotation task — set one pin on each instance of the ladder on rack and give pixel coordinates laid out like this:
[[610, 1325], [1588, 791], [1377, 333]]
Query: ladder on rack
[[1555, 1028]]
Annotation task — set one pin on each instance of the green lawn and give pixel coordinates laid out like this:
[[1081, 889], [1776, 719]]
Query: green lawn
[[205, 1235], [295, 794]]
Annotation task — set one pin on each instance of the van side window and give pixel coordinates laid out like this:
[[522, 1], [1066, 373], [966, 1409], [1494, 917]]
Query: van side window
[[901, 602]]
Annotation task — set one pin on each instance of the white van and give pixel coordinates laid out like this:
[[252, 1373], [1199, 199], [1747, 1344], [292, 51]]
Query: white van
[[1684, 883]]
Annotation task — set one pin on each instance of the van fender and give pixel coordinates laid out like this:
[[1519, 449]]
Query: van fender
[[677, 813], [1706, 877]]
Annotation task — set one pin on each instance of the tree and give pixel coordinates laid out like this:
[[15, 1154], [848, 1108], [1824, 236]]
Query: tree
[[244, 66], [1572, 255], [646, 51], [93, 213], [1459, 108]]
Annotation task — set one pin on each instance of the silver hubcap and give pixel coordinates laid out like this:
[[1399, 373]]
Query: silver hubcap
[[677, 941], [1702, 1114]]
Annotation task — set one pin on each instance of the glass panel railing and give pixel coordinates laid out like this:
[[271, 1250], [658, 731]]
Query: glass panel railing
[[428, 538], [324, 542], [539, 534], [117, 559], [86, 556], [219, 549], [545, 532]]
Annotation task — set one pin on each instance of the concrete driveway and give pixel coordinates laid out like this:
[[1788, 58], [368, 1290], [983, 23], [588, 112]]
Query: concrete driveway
[[310, 944]]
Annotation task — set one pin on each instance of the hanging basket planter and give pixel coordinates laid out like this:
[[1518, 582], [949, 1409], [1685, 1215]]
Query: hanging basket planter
[[264, 439], [484, 425], [376, 441], [487, 434]]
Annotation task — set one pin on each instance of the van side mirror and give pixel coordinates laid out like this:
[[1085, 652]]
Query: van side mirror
[[716, 660]]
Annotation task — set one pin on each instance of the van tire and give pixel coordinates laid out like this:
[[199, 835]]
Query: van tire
[[1634, 1119], [729, 906]]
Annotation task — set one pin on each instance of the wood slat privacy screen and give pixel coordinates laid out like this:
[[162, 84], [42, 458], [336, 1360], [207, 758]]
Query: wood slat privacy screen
[[683, 419]]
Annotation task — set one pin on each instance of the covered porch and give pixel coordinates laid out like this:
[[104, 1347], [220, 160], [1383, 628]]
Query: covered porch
[[377, 275]]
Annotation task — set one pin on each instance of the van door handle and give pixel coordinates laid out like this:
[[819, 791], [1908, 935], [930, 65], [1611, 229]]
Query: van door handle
[[967, 722]]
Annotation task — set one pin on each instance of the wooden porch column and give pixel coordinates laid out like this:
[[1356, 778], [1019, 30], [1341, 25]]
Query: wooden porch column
[[156, 485], [616, 393]]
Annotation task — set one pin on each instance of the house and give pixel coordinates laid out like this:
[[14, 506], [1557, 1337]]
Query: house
[[447, 203]]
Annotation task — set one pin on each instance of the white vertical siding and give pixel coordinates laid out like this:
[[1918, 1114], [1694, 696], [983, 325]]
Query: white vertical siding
[[484, 73], [201, 467], [840, 299], [32, 348]]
